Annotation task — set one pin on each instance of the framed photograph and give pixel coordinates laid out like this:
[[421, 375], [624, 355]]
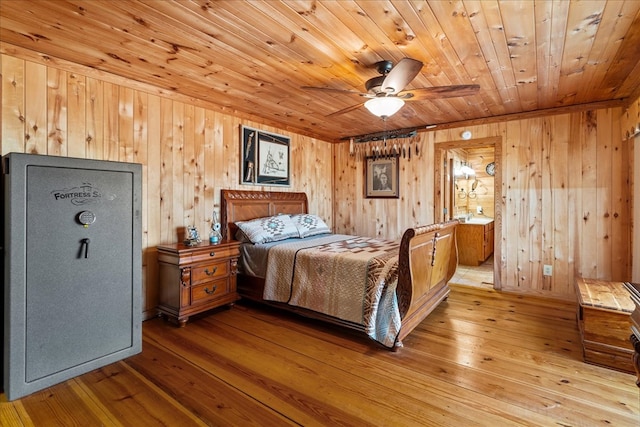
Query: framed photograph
[[381, 177], [264, 158]]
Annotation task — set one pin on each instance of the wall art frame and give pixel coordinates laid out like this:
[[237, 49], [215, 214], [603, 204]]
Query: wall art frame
[[382, 177], [264, 158]]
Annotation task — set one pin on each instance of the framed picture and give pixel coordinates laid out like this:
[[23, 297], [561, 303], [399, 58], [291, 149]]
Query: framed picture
[[264, 158], [381, 177]]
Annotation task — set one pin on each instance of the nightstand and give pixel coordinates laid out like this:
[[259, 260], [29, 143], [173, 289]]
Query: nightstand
[[194, 279]]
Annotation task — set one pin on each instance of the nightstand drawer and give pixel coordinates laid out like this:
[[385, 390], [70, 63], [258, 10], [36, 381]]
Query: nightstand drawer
[[207, 272], [206, 292], [215, 252]]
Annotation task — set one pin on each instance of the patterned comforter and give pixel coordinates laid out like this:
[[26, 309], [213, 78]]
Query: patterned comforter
[[347, 277]]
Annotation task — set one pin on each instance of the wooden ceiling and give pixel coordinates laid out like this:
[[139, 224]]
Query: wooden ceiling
[[250, 58]]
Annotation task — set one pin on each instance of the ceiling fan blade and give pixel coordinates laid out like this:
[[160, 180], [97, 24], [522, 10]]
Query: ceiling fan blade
[[438, 92], [401, 75], [329, 89], [345, 110]]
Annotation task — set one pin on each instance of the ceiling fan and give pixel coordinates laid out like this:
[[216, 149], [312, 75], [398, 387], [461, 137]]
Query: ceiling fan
[[386, 92]]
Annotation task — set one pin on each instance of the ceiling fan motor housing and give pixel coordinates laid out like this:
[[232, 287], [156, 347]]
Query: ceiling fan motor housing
[[374, 85], [384, 67]]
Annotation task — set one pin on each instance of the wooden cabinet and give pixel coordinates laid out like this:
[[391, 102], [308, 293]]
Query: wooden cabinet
[[475, 242], [487, 242], [195, 279]]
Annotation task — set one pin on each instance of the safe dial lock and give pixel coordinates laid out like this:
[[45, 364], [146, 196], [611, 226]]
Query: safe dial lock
[[86, 218]]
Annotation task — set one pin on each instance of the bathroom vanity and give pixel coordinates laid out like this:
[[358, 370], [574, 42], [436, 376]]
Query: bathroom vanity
[[475, 240]]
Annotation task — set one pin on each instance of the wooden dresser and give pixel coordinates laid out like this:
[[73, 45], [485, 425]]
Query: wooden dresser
[[634, 290], [194, 279]]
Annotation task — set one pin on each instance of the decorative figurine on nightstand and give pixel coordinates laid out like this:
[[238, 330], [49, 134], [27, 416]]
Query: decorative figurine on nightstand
[[214, 236], [193, 237]]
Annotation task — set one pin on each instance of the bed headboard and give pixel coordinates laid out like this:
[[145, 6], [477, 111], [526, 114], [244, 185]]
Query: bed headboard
[[243, 205]]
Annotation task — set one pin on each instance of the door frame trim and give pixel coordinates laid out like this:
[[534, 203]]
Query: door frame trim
[[440, 149]]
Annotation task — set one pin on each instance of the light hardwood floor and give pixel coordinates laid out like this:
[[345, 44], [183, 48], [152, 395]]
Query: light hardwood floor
[[480, 276], [481, 358]]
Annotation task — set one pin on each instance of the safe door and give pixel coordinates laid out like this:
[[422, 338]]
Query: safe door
[[72, 300]]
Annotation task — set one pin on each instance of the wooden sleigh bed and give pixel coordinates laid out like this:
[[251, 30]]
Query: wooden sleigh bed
[[426, 259]]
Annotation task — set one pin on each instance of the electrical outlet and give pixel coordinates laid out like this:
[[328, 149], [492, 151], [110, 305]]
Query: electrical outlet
[[547, 270], [479, 209]]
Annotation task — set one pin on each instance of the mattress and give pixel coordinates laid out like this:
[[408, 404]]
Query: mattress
[[253, 258]]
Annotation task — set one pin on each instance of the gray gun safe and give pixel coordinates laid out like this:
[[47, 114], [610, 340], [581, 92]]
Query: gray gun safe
[[72, 268]]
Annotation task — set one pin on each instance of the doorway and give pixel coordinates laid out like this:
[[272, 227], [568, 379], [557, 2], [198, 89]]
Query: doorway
[[468, 187]]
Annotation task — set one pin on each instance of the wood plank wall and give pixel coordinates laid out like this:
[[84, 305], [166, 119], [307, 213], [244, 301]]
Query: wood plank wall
[[566, 198], [188, 152], [631, 131], [565, 186]]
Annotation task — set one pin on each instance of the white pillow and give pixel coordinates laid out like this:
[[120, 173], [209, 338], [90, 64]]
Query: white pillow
[[268, 229], [309, 225]]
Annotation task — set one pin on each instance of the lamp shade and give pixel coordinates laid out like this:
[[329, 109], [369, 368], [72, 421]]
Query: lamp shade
[[385, 106]]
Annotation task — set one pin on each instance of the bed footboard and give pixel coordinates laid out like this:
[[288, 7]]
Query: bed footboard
[[427, 260]]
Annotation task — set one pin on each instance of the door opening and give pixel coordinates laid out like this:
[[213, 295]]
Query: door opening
[[468, 187]]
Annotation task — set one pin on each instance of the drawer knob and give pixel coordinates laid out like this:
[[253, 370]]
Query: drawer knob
[[210, 273], [210, 292], [212, 254]]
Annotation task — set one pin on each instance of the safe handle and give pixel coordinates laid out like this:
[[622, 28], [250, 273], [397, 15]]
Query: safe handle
[[84, 247]]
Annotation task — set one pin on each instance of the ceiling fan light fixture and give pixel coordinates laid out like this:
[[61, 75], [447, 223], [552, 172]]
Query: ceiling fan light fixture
[[384, 106]]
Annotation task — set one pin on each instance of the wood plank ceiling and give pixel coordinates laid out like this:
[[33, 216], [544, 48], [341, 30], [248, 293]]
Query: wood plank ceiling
[[250, 58]]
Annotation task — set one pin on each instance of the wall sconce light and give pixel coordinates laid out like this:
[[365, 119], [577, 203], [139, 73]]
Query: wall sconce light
[[384, 106], [464, 169]]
